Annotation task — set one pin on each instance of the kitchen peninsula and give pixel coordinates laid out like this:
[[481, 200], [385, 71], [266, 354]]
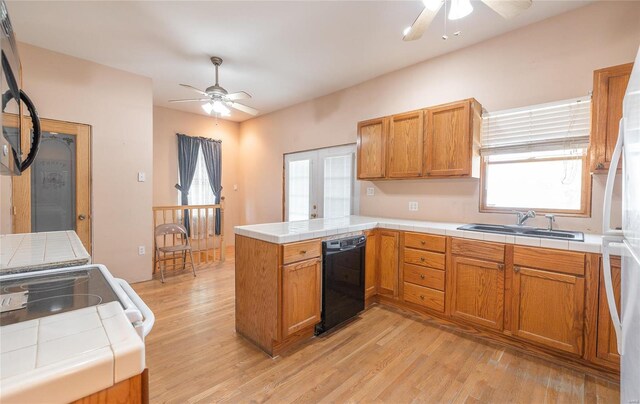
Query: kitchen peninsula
[[536, 294]]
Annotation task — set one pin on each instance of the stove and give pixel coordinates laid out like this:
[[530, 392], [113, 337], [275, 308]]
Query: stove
[[32, 295]]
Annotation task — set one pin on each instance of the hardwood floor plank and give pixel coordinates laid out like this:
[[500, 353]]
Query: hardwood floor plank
[[386, 356]]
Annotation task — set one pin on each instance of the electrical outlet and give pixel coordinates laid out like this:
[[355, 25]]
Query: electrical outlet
[[142, 176], [413, 206], [370, 191], [141, 250]]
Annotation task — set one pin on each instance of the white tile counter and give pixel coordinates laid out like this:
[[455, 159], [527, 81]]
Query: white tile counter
[[32, 251], [65, 357], [288, 232]]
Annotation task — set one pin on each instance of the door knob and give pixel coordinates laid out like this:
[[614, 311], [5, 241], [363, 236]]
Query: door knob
[[313, 215], [81, 217]]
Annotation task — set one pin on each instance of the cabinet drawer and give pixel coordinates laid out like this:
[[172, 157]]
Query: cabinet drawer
[[429, 277], [567, 262], [424, 258], [478, 249], [425, 242], [303, 250], [430, 298]]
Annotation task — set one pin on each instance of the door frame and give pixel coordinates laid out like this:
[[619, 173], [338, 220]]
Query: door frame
[[21, 185], [317, 177]]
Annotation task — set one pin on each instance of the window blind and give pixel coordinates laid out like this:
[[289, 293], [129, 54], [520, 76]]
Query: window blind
[[559, 125]]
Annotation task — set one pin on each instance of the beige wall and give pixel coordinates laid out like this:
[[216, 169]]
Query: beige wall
[[547, 61], [118, 106], [168, 122]]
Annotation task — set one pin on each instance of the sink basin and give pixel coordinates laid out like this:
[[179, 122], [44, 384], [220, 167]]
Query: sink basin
[[525, 231]]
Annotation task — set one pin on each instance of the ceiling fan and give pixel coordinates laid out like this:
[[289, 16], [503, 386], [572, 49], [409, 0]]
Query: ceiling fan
[[217, 99], [459, 9]]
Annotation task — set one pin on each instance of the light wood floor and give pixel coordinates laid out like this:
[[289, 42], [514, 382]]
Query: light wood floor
[[387, 355]]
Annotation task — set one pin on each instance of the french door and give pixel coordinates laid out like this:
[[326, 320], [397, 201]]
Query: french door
[[320, 183]]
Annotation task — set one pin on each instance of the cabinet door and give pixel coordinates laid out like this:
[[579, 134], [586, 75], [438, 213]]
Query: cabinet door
[[609, 86], [300, 295], [372, 136], [606, 347], [388, 263], [548, 308], [477, 294], [404, 145], [371, 260], [448, 140]]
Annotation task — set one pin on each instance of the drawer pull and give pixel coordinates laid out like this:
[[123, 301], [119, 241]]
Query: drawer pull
[[423, 242], [516, 269], [501, 266], [303, 252], [422, 297], [422, 259], [421, 276]]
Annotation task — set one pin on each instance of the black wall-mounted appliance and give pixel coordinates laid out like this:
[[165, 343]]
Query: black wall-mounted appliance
[[15, 102]]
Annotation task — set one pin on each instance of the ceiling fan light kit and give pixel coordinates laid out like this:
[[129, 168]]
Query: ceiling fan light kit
[[459, 9], [217, 99]]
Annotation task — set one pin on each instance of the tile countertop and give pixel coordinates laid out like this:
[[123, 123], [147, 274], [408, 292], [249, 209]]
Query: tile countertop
[[33, 251], [68, 356], [289, 232]]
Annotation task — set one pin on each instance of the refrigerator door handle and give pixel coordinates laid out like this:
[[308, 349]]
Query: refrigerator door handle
[[608, 287], [611, 179]]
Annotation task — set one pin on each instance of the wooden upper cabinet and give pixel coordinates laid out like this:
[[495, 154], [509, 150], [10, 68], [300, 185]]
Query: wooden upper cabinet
[[451, 140], [388, 263], [476, 291], [609, 86], [607, 348], [404, 145], [548, 308], [372, 139], [301, 289], [371, 260]]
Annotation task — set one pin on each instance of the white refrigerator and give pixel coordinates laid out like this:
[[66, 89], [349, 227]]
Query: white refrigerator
[[626, 242]]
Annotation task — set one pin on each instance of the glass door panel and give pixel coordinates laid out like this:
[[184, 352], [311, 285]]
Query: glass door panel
[[299, 187], [53, 184]]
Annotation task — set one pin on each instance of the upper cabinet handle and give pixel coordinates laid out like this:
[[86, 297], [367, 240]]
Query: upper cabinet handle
[[516, 269], [501, 266]]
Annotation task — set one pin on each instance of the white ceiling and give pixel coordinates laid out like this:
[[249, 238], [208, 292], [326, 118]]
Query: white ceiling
[[280, 52]]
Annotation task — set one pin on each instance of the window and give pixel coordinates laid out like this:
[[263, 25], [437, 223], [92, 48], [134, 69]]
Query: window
[[320, 183], [536, 158], [200, 192]]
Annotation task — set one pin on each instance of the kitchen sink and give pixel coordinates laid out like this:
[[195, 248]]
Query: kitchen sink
[[525, 231]]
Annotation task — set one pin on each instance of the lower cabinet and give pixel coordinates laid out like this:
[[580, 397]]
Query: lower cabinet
[[606, 348], [371, 263], [388, 263], [549, 298], [549, 308], [301, 294], [477, 291]]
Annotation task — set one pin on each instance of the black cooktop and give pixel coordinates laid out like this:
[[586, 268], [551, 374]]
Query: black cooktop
[[54, 293]]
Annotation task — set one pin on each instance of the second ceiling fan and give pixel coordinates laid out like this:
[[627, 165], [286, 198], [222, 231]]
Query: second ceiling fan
[[458, 9]]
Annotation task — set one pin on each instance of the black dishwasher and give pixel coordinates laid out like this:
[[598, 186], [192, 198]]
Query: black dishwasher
[[342, 280]]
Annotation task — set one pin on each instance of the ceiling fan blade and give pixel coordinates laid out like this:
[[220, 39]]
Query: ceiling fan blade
[[244, 108], [421, 23], [192, 100], [240, 95], [194, 89], [508, 8]]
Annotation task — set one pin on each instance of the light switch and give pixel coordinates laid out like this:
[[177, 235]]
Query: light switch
[[141, 250], [413, 206], [141, 176], [370, 191]]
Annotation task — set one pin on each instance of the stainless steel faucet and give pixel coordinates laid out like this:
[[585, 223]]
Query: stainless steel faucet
[[551, 218], [522, 217]]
